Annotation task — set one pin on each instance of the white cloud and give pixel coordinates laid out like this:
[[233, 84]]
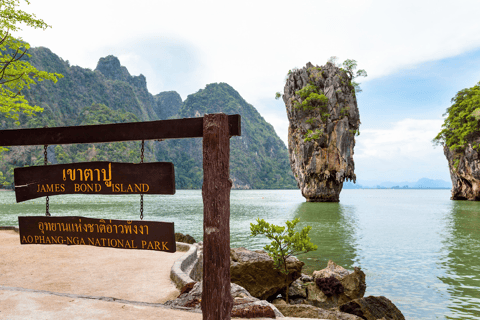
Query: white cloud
[[402, 153], [252, 44], [184, 45]]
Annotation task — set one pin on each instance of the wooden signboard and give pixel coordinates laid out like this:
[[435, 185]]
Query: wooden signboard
[[146, 235], [94, 178]]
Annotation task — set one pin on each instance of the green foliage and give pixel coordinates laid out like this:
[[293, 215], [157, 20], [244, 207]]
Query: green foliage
[[344, 111], [17, 74], [462, 124], [355, 132], [258, 158], [278, 95], [285, 243], [311, 120], [310, 135], [311, 98], [349, 67], [455, 163]]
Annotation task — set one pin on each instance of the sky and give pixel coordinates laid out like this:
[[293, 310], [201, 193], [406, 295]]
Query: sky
[[417, 54]]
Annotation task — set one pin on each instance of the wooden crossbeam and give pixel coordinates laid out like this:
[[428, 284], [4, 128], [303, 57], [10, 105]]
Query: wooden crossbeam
[[147, 130]]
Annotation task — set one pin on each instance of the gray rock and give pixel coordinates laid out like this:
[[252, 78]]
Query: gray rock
[[242, 299], [308, 311], [464, 172], [373, 308], [332, 269], [353, 283], [306, 278], [322, 164], [255, 272], [167, 104], [297, 290], [180, 237]]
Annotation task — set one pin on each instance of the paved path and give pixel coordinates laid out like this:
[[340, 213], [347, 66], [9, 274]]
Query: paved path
[[67, 282], [57, 282]]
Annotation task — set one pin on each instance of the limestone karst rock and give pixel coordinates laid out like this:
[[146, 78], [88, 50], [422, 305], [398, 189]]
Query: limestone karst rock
[[323, 121], [464, 172]]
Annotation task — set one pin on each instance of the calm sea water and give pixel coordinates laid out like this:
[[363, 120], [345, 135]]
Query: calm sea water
[[416, 247]]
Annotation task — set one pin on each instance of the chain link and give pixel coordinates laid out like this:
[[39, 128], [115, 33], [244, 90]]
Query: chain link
[[141, 196], [45, 160], [141, 207]]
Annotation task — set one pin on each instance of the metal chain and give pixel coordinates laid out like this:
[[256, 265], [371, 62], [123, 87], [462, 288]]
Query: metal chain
[[141, 196], [45, 160]]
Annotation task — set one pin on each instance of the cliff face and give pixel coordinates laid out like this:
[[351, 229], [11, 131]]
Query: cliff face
[[323, 120], [258, 158], [109, 94], [464, 172], [168, 103]]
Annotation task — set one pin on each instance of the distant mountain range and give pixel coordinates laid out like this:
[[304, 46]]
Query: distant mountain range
[[423, 183], [109, 94]]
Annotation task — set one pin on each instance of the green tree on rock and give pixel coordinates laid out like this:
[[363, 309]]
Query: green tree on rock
[[16, 73], [285, 243], [462, 124]]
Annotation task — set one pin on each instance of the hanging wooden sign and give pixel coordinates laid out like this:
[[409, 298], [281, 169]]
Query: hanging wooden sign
[[94, 178], [146, 235]]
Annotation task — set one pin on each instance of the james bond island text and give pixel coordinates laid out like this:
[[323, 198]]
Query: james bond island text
[[94, 178]]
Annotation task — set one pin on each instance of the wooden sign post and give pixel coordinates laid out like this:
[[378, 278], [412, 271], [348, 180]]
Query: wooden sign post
[[217, 301], [216, 130]]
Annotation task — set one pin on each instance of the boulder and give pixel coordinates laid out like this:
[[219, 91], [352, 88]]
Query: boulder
[[254, 271], [332, 269], [349, 286], [297, 290], [373, 308], [242, 300], [308, 311], [180, 237], [323, 121]]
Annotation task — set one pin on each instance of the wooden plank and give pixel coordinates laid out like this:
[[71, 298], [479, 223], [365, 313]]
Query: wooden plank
[[147, 130], [143, 235], [97, 177], [217, 300]]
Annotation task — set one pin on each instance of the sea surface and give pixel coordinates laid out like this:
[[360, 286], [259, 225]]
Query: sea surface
[[417, 247]]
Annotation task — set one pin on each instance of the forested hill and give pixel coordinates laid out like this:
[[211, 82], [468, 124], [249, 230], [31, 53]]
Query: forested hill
[[109, 94]]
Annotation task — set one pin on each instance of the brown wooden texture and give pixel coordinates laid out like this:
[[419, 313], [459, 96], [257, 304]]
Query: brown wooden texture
[[147, 130], [146, 235], [217, 300], [94, 178]]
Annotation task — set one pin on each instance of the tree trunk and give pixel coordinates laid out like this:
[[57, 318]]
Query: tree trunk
[[286, 279]]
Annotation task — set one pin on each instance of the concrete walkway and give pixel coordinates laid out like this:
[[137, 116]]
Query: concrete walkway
[[49, 282]]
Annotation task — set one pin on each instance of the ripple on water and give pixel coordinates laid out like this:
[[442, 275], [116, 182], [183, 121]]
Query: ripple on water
[[416, 247]]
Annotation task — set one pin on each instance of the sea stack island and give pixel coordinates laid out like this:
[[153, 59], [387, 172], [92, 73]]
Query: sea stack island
[[323, 122]]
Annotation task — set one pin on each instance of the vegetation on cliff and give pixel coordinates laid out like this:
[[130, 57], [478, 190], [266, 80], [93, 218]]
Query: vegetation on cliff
[[462, 124], [258, 158], [460, 138], [323, 122], [109, 94]]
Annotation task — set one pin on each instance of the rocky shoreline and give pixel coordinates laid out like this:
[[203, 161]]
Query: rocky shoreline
[[258, 289]]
